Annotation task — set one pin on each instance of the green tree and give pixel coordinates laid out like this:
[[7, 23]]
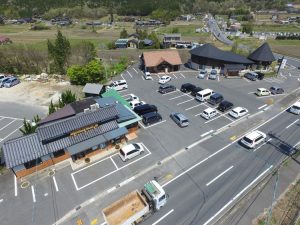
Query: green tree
[[67, 97], [59, 52], [29, 127], [51, 108], [123, 33], [248, 28]]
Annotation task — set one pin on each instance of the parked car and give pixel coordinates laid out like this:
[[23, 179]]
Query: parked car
[[180, 119], [151, 118], [238, 112], [254, 138], [2, 77], [215, 99], [130, 151], [166, 88], [213, 74], [132, 97], [276, 90], [147, 76], [262, 92], [260, 75], [136, 103], [11, 82], [143, 109], [251, 76], [118, 85], [225, 106], [3, 81], [295, 108], [164, 79], [195, 91], [202, 74], [188, 87], [209, 113]]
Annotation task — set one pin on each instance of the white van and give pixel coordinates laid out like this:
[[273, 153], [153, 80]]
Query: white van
[[295, 108], [204, 95], [118, 85], [147, 76]]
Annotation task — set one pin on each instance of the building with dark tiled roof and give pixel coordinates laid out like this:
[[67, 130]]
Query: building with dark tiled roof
[[77, 131]]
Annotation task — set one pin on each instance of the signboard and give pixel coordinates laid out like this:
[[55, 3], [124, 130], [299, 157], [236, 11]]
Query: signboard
[[283, 63], [84, 129]]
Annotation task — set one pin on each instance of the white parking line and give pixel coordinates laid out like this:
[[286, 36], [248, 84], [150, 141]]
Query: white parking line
[[218, 78], [270, 96], [1, 200], [2, 118], [55, 184], [237, 196], [129, 74], [152, 124], [227, 117], [262, 145], [263, 106], [7, 124], [11, 133], [177, 97], [126, 95], [234, 121], [217, 177], [13, 118], [114, 163], [135, 70], [123, 90], [194, 106], [172, 92], [292, 124], [206, 133], [185, 101], [252, 92], [108, 174], [122, 77], [16, 186], [157, 75], [33, 194], [182, 75], [174, 75], [210, 120], [246, 80], [168, 213]]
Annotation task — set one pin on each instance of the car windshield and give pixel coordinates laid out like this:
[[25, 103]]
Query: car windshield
[[205, 112], [136, 146], [185, 121], [122, 153], [234, 111], [296, 107], [248, 140]]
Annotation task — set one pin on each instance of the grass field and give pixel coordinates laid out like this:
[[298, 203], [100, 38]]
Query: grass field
[[276, 28]]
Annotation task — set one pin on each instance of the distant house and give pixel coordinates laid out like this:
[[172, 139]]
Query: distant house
[[93, 90], [122, 43], [5, 40], [170, 40], [133, 40], [161, 61]]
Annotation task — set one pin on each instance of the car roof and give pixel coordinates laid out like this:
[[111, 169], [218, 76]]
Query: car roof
[[165, 76], [128, 148], [166, 85], [226, 103], [187, 84], [150, 114], [254, 134], [262, 89], [297, 104], [216, 95], [180, 115], [209, 110], [275, 87], [238, 109]]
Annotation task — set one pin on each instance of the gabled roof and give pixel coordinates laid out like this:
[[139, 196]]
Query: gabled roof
[[92, 88], [154, 58], [22, 150], [262, 54], [211, 52], [66, 111]]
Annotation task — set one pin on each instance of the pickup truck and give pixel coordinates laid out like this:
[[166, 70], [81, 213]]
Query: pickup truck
[[136, 206]]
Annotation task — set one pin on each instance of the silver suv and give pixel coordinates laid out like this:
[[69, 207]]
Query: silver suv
[[179, 119]]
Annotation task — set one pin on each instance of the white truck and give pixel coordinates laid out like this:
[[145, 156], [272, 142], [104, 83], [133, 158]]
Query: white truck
[[136, 206]]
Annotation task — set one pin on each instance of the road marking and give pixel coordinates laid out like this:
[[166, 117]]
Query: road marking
[[111, 189], [7, 124], [218, 78], [292, 124], [246, 80], [198, 114], [177, 97], [33, 194], [16, 186], [172, 92], [2, 118], [194, 106], [114, 163], [206, 133], [262, 145], [238, 195], [252, 92], [210, 120], [227, 117], [104, 223], [127, 181], [270, 96], [122, 77], [182, 75], [55, 184], [1, 200], [174, 75], [152, 124], [126, 95], [234, 121], [168, 213], [263, 106], [13, 118], [135, 70], [129, 74], [217, 177], [185, 101], [46, 194]]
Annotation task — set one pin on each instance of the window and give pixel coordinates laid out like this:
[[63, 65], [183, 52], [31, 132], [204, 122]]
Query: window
[[32, 163], [58, 153], [162, 198]]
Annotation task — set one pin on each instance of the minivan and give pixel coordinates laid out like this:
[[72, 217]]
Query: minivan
[[143, 109], [204, 95], [254, 138], [151, 118], [118, 85], [251, 76], [179, 119], [215, 99]]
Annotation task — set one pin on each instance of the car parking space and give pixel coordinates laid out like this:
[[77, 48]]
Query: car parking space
[[9, 126]]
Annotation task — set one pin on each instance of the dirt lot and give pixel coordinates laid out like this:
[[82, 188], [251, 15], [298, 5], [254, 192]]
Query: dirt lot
[[36, 93]]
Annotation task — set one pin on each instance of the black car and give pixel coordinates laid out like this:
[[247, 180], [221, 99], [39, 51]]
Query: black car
[[260, 76], [215, 99], [187, 87], [151, 117], [195, 91], [143, 109], [225, 106], [166, 88]]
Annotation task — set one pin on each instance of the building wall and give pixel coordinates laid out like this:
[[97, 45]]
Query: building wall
[[41, 166]]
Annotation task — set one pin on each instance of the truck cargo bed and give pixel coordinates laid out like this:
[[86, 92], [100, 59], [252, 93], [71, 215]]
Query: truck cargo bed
[[126, 210]]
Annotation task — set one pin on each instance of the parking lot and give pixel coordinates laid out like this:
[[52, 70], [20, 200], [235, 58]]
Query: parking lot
[[9, 127]]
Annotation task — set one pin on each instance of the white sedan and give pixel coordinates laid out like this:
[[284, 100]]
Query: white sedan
[[164, 79], [238, 112]]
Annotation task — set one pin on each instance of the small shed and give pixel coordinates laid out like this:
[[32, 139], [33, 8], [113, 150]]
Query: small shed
[[92, 90]]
